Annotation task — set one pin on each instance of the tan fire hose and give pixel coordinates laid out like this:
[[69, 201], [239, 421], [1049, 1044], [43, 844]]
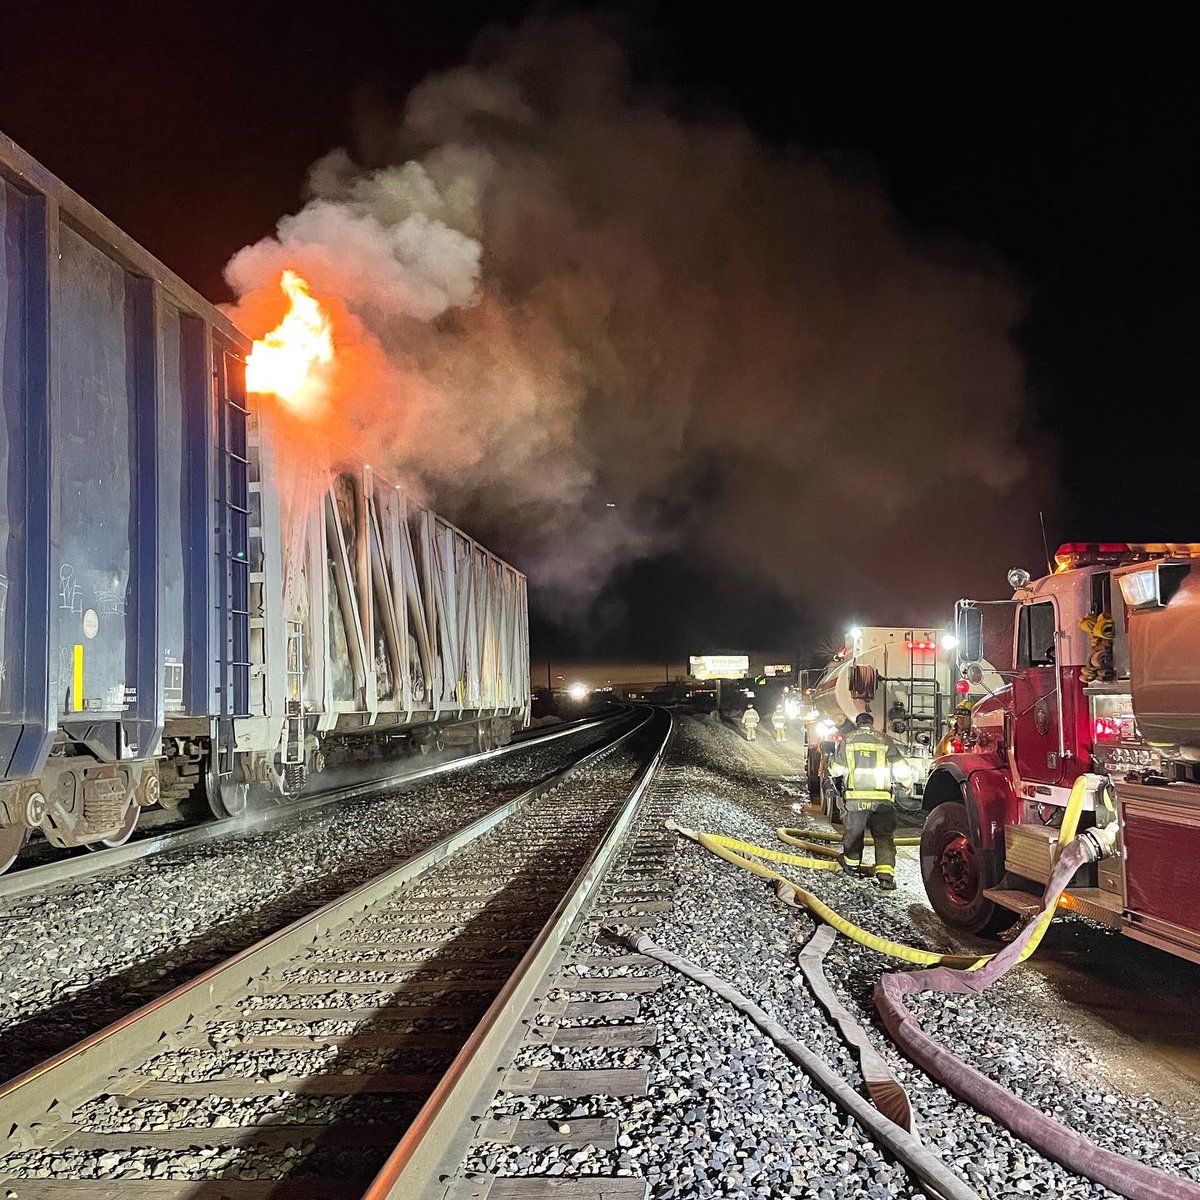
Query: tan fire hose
[[935, 1177], [1124, 1175]]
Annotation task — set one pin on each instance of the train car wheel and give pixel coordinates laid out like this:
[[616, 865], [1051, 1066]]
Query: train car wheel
[[227, 797], [12, 839], [122, 835]]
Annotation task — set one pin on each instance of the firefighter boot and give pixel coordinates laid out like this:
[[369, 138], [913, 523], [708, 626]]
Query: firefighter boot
[[885, 879], [848, 868]]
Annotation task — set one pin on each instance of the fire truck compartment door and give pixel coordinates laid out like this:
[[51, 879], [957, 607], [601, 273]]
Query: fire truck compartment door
[[1161, 833]]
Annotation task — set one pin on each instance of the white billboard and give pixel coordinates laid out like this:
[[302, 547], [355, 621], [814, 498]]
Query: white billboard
[[719, 666]]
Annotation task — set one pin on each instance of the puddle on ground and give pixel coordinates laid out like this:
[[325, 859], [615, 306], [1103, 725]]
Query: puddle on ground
[[1147, 998]]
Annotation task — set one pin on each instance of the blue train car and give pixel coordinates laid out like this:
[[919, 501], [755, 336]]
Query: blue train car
[[162, 631]]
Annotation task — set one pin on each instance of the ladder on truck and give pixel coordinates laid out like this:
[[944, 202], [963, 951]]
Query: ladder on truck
[[924, 697]]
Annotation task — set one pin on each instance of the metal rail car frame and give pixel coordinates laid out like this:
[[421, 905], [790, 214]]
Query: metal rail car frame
[[144, 650]]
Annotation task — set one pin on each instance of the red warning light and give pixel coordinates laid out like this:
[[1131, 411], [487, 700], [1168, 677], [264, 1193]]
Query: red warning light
[[962, 686]]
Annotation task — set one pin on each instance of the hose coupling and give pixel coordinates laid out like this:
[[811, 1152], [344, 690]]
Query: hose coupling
[[1100, 842], [682, 830]]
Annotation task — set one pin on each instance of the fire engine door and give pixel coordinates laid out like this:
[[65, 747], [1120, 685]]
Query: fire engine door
[[1035, 694]]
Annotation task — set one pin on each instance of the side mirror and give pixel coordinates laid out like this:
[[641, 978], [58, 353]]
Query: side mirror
[[968, 629]]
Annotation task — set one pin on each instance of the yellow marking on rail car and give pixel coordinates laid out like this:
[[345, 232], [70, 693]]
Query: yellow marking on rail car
[[77, 684]]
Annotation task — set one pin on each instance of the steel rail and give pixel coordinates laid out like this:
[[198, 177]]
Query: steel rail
[[433, 1146], [38, 879], [28, 1101]]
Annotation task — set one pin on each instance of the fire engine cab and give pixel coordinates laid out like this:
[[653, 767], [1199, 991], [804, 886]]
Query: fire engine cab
[[1100, 663]]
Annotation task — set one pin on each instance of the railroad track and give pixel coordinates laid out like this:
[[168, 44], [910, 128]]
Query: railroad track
[[367, 1027], [591, 1009], [70, 866]]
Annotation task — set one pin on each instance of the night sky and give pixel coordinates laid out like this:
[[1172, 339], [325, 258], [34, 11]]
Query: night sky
[[1060, 138]]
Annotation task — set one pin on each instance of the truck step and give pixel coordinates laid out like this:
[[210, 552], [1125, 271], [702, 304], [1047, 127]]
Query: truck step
[[1102, 907], [1022, 903], [1029, 850]]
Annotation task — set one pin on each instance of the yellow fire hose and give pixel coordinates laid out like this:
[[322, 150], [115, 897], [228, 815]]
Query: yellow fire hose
[[744, 855], [787, 890], [746, 848], [806, 838]]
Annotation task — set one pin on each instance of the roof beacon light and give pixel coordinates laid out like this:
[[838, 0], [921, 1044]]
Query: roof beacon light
[[919, 645], [1072, 555]]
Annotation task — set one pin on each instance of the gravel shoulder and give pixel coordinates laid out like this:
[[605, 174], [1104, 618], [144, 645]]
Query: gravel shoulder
[[728, 1115]]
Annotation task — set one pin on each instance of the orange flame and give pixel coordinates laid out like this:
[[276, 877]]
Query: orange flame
[[287, 360]]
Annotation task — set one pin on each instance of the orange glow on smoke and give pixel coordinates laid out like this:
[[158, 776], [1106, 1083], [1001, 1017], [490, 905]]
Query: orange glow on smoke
[[288, 361]]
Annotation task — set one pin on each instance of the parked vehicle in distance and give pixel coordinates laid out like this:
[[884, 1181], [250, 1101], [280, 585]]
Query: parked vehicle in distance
[[905, 678]]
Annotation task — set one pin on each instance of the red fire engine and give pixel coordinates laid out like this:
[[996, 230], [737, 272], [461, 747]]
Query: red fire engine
[[1101, 669]]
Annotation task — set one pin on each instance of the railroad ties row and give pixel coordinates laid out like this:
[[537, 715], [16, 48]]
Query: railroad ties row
[[76, 958], [552, 1126], [300, 1079]]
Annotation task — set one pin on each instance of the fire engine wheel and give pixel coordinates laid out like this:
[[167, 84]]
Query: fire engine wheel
[[953, 874], [12, 838]]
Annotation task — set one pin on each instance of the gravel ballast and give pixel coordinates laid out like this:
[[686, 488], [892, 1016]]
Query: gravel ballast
[[545, 842], [728, 1115], [82, 956]]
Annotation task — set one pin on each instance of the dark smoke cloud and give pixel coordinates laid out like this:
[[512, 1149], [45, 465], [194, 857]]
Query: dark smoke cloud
[[569, 296]]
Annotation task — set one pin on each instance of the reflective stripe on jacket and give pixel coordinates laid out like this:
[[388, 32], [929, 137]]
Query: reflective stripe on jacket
[[866, 759]]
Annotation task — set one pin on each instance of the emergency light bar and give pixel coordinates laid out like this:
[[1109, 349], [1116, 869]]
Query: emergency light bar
[[1071, 555]]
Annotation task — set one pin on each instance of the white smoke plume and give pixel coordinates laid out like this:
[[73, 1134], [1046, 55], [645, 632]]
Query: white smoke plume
[[562, 296]]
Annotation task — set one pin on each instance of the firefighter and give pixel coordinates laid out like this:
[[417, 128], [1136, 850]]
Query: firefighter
[[779, 723], [869, 764], [955, 738], [750, 723]]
